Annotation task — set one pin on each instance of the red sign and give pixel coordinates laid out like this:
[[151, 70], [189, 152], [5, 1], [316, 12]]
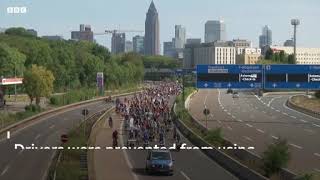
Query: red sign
[[10, 81]]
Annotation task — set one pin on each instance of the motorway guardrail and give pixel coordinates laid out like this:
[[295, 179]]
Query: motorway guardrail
[[30, 119]]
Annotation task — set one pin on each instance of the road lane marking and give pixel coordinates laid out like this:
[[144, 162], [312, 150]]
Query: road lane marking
[[274, 137], [296, 146], [249, 125], [261, 131], [240, 120], [225, 110], [272, 108], [316, 125], [285, 106], [318, 170], [285, 113], [37, 137], [8, 134], [277, 110], [51, 127], [309, 130], [247, 138], [233, 117], [5, 170], [269, 104], [304, 121], [205, 99], [229, 113], [293, 117], [264, 112], [317, 154], [184, 175], [229, 128]]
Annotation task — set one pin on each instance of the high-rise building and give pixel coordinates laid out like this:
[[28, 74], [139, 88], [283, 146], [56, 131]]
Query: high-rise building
[[152, 31], [118, 43], [168, 49], [289, 43], [265, 39], [128, 46], [180, 37], [85, 34], [194, 41], [209, 53], [215, 31], [138, 44]]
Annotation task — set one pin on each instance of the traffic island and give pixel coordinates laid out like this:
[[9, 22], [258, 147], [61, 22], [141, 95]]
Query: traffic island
[[305, 104]]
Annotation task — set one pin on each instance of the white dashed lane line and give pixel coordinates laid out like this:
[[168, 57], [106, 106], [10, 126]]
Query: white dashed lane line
[[317, 125], [296, 146], [293, 117], [261, 131], [277, 110], [317, 154], [249, 125], [184, 175], [51, 127], [274, 137], [37, 137], [247, 138], [304, 121], [4, 170], [229, 128], [285, 113], [264, 112], [233, 117]]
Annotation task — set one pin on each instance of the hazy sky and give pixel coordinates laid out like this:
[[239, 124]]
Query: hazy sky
[[243, 18]]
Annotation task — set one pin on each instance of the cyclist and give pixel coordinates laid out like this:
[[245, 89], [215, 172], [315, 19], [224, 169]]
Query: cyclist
[[115, 138]]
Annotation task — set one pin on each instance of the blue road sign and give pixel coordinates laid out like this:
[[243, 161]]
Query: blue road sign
[[229, 76], [292, 77]]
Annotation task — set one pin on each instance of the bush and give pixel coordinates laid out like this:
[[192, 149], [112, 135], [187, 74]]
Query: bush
[[305, 177], [276, 157], [317, 94], [214, 136], [33, 108], [54, 100]]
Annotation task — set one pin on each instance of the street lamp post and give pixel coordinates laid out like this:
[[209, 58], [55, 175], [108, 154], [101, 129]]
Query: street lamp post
[[295, 23]]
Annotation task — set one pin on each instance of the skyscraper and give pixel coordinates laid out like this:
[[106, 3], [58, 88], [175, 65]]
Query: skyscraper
[[138, 44], [266, 38], [180, 37], [118, 43], [129, 46], [85, 34], [215, 31], [152, 37]]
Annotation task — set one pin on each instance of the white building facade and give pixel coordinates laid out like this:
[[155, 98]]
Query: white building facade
[[304, 55]]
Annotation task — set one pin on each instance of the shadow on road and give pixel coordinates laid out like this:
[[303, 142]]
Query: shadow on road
[[142, 172]]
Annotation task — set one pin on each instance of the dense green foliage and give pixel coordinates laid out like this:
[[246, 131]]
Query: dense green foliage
[[73, 96], [276, 157], [38, 82], [158, 62], [73, 64], [278, 57]]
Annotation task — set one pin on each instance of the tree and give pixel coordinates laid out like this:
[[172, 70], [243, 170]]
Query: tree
[[282, 57], [11, 61], [291, 59], [276, 157], [38, 82], [269, 54], [18, 31]]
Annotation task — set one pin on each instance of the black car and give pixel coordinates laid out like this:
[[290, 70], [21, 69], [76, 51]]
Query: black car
[[159, 161]]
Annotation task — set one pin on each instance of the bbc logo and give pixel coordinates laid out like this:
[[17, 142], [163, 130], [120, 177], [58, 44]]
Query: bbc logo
[[17, 10]]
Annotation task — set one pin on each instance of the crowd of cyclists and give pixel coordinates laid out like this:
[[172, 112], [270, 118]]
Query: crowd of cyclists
[[147, 116]]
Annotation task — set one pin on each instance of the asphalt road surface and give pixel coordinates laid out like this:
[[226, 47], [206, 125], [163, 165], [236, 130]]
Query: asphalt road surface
[[253, 121], [33, 164], [188, 164]]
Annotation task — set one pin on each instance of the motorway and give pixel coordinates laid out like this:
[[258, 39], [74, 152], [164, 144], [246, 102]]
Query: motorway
[[188, 165], [45, 131], [258, 122]]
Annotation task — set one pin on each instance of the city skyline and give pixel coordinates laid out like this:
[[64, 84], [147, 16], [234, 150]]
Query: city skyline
[[241, 24]]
